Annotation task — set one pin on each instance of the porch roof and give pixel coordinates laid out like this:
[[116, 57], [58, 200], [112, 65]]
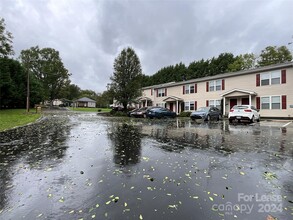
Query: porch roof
[[238, 92], [143, 98], [172, 99]]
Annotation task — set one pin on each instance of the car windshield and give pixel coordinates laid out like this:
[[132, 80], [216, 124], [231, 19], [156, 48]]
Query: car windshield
[[203, 109]]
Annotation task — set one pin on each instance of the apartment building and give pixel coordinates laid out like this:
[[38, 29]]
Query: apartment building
[[269, 89]]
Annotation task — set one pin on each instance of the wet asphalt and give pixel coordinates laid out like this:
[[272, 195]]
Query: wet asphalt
[[87, 166]]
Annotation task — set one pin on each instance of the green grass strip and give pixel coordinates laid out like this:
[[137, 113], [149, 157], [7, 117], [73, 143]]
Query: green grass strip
[[11, 118]]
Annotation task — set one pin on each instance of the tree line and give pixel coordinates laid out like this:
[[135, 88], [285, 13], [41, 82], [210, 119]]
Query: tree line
[[225, 62]]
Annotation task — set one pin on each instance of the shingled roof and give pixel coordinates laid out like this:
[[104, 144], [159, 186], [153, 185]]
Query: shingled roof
[[85, 99]]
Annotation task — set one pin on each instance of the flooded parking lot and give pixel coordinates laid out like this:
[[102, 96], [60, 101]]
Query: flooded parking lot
[[86, 166]]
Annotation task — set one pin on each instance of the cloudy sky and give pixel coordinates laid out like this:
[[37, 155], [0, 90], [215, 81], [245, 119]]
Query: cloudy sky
[[89, 34]]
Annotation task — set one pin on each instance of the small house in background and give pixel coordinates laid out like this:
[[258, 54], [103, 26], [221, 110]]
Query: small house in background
[[85, 102]]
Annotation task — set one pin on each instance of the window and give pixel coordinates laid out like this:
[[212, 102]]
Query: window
[[186, 106], [188, 89], [275, 78], [214, 103], [271, 78], [276, 102], [271, 102], [265, 102], [189, 106], [161, 92], [212, 86], [218, 85], [215, 85]]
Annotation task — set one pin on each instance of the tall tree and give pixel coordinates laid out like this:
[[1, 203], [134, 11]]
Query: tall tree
[[13, 85], [71, 92], [6, 48], [127, 75], [46, 65], [242, 62], [274, 55]]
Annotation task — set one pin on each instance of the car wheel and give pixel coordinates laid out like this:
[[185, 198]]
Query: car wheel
[[208, 118], [252, 120]]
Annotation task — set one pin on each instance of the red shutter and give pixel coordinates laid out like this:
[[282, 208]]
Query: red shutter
[[284, 102], [223, 84], [151, 91], [257, 80], [165, 91], [183, 90], [207, 103], [258, 102], [195, 88], [283, 76], [207, 86], [157, 92], [195, 105]]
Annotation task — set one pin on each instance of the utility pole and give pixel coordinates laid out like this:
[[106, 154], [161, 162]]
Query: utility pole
[[28, 93]]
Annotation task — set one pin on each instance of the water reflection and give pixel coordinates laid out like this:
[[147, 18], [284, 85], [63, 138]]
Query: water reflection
[[40, 146], [126, 140], [221, 136]]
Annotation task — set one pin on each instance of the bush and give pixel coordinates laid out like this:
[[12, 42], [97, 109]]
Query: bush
[[118, 113], [184, 114]]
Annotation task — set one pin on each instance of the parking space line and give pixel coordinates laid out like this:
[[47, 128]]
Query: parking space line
[[285, 125]]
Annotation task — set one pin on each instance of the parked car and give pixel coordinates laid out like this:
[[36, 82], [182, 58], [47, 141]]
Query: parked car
[[207, 113], [139, 113], [160, 113], [132, 111], [244, 112]]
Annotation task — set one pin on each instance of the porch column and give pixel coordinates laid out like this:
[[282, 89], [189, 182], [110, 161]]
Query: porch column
[[249, 99], [224, 105], [177, 107]]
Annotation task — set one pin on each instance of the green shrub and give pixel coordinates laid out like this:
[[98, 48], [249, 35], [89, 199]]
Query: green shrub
[[118, 113], [184, 114]]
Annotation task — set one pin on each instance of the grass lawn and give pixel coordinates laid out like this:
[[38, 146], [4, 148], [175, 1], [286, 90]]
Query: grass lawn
[[90, 109], [16, 117]]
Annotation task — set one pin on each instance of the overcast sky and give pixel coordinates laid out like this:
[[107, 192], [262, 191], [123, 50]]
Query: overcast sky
[[89, 34]]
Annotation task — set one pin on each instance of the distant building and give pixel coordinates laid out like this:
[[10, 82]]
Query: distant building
[[85, 102], [269, 89]]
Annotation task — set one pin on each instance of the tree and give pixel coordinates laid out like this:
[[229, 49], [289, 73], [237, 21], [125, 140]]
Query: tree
[[46, 65], [242, 62], [105, 99], [274, 55], [13, 88], [220, 64], [127, 75], [6, 48], [70, 92], [88, 93]]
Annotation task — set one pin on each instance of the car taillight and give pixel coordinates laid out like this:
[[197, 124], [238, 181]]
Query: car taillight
[[247, 110], [231, 110]]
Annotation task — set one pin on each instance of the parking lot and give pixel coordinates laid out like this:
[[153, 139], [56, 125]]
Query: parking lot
[[86, 166]]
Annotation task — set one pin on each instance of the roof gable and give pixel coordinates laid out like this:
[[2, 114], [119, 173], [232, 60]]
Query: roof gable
[[85, 99]]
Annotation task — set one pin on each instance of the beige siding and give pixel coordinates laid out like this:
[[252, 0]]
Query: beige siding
[[241, 82]]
